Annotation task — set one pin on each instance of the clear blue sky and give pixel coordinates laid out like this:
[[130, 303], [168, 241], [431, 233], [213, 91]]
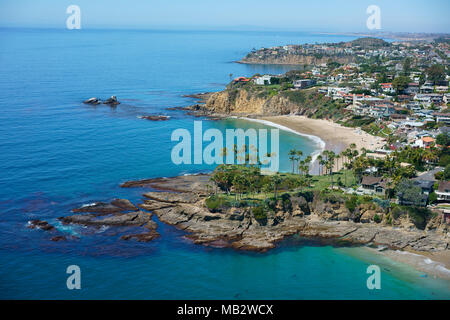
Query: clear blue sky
[[311, 15]]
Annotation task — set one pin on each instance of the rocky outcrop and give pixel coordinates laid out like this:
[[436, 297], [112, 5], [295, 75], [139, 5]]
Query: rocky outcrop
[[306, 215], [190, 183], [124, 204], [93, 101], [117, 205], [112, 101], [138, 218]]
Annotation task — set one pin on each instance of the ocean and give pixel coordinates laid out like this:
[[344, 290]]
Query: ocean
[[57, 154]]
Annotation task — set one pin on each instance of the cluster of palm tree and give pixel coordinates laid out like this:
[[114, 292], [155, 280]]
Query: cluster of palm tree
[[299, 165], [241, 179], [329, 161]]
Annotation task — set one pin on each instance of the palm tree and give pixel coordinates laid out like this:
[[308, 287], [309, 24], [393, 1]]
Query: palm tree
[[292, 158], [276, 181], [304, 165], [319, 161], [338, 156], [330, 165], [299, 155]]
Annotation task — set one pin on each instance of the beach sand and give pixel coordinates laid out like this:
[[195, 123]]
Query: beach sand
[[436, 265], [335, 136]]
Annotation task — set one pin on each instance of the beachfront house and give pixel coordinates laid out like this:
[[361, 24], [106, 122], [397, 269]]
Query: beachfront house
[[373, 185], [443, 191]]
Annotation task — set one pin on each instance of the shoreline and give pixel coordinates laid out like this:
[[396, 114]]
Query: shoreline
[[435, 264], [335, 136], [326, 134], [320, 143]]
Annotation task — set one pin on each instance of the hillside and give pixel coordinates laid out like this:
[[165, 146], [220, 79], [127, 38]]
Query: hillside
[[313, 54]]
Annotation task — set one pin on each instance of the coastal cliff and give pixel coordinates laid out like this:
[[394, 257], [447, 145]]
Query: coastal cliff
[[292, 59], [243, 102], [262, 101]]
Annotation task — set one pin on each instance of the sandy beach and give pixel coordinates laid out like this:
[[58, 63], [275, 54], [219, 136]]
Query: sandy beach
[[436, 265], [335, 136]]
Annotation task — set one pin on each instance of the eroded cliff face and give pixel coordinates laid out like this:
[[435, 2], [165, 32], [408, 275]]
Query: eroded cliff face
[[306, 60], [243, 102]]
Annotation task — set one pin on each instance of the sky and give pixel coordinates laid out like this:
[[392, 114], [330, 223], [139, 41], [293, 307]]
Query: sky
[[295, 15]]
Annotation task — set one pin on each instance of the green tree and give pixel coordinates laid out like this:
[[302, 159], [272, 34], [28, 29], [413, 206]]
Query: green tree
[[400, 83], [436, 73], [446, 175], [409, 193], [443, 140]]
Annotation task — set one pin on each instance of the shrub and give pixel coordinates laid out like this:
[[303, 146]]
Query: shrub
[[308, 195], [433, 198], [351, 203], [259, 213], [419, 216], [376, 218], [397, 212], [214, 203]]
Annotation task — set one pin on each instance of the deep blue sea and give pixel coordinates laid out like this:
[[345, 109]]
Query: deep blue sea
[[57, 154]]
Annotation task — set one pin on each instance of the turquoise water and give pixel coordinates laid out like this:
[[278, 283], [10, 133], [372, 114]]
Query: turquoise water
[[57, 154]]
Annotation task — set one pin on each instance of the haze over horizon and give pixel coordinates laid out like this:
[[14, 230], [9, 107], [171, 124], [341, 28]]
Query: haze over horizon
[[288, 15]]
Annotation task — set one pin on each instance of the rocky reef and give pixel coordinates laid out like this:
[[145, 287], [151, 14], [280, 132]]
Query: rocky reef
[[117, 213]]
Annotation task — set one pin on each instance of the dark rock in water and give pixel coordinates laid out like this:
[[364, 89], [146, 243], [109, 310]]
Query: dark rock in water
[[112, 101], [138, 218], [58, 238], [92, 101], [141, 237], [99, 207], [155, 118], [43, 225], [144, 237], [178, 108], [124, 204]]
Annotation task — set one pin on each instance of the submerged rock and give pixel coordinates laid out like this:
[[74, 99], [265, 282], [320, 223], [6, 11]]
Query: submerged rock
[[43, 225], [150, 235], [58, 238], [155, 118]]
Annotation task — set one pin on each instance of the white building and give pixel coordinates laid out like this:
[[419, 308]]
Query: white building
[[263, 80]]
